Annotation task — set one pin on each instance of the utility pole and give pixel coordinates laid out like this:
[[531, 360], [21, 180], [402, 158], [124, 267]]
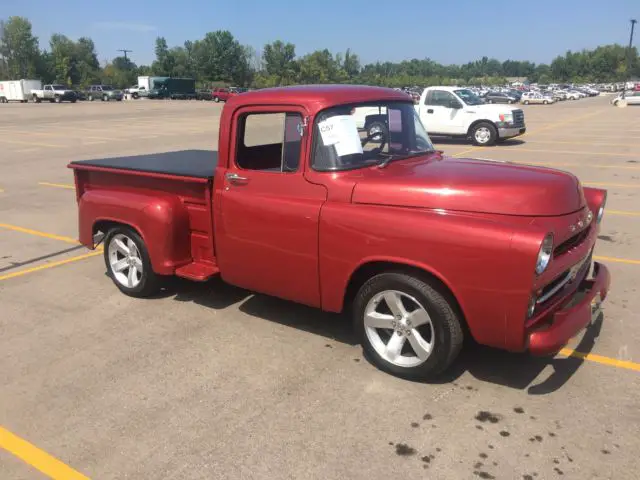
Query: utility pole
[[633, 23], [125, 51]]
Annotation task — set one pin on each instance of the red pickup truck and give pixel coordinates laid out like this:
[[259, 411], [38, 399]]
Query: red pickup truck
[[422, 249]]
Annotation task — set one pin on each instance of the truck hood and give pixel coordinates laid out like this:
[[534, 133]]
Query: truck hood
[[471, 185]]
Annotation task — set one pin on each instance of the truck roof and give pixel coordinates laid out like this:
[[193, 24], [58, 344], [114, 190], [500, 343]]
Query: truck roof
[[317, 97]]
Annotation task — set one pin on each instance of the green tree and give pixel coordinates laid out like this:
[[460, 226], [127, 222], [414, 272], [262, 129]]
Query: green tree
[[18, 48], [279, 62]]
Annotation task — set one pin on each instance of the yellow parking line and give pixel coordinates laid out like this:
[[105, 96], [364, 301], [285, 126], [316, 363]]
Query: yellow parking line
[[32, 455], [15, 228], [612, 362], [576, 152], [596, 144], [57, 185], [466, 151], [620, 212], [561, 123], [563, 164], [46, 266], [48, 134], [617, 260], [18, 142], [619, 185]]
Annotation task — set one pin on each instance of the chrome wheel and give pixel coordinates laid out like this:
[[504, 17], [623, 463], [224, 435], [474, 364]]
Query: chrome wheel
[[482, 135], [125, 261], [399, 328]]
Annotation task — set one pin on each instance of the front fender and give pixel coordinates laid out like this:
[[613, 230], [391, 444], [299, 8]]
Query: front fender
[[161, 220]]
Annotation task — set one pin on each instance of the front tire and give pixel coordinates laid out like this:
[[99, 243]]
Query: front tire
[[484, 134], [406, 326], [128, 265]]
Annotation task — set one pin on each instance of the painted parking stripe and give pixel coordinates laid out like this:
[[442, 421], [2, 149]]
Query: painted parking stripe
[[46, 266], [57, 185], [37, 233], [612, 362], [39, 459]]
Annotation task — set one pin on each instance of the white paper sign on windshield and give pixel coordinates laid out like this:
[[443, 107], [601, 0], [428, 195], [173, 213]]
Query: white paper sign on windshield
[[341, 131]]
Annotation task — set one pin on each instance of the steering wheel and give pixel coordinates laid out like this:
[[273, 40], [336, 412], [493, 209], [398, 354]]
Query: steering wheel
[[375, 136]]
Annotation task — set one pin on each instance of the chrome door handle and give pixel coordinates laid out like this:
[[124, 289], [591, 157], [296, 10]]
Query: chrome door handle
[[235, 178]]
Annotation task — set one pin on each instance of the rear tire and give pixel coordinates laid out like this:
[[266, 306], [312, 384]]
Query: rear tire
[[424, 333], [128, 264]]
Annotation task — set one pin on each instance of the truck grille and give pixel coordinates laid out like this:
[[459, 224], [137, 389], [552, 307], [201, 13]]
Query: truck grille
[[576, 273], [571, 243], [518, 118]]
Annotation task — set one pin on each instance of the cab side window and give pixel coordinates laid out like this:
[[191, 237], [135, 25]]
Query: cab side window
[[269, 142], [439, 98]]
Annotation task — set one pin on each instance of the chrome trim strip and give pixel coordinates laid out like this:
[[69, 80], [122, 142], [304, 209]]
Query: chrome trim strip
[[555, 289]]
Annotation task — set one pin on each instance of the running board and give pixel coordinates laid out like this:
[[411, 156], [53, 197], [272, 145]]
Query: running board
[[197, 271]]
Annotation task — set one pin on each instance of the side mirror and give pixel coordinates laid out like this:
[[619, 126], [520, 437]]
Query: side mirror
[[455, 104]]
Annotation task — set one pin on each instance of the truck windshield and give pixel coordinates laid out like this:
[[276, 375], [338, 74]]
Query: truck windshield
[[365, 134], [469, 97]]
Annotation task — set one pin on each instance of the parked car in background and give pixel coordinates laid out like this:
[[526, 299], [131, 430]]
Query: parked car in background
[[500, 97], [222, 94], [18, 90], [136, 90], [459, 113], [204, 94], [54, 93], [631, 97], [535, 97], [104, 93]]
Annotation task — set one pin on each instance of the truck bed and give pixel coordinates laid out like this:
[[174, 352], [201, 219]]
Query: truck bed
[[184, 163]]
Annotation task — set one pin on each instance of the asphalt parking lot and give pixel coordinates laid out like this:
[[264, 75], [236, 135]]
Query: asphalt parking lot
[[211, 381]]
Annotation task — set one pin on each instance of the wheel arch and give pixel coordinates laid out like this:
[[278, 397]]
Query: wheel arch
[[475, 123], [372, 267]]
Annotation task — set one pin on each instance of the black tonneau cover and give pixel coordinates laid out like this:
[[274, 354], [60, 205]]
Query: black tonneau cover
[[184, 163]]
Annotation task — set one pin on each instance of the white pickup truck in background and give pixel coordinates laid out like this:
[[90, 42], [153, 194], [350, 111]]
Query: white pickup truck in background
[[458, 112], [54, 93]]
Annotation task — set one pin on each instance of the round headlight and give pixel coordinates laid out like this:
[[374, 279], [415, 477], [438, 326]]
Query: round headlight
[[544, 255]]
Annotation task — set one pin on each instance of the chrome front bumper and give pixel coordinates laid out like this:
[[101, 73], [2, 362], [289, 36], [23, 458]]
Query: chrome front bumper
[[511, 132]]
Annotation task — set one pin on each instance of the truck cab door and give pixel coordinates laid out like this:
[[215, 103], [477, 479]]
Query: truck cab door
[[48, 91], [266, 214], [438, 114]]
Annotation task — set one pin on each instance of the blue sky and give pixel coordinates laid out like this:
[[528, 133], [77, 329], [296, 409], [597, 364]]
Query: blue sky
[[448, 32]]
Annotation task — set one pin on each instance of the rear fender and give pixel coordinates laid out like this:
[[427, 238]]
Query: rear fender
[[161, 220]]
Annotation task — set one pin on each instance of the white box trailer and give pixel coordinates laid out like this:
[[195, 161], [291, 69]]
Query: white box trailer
[[18, 90], [143, 81]]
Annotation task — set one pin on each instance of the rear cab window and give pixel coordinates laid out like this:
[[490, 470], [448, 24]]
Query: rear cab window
[[269, 142]]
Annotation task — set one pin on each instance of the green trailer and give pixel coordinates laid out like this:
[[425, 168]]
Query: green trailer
[[172, 88]]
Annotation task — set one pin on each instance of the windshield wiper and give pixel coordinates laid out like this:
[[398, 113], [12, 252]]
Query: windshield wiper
[[411, 154]]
